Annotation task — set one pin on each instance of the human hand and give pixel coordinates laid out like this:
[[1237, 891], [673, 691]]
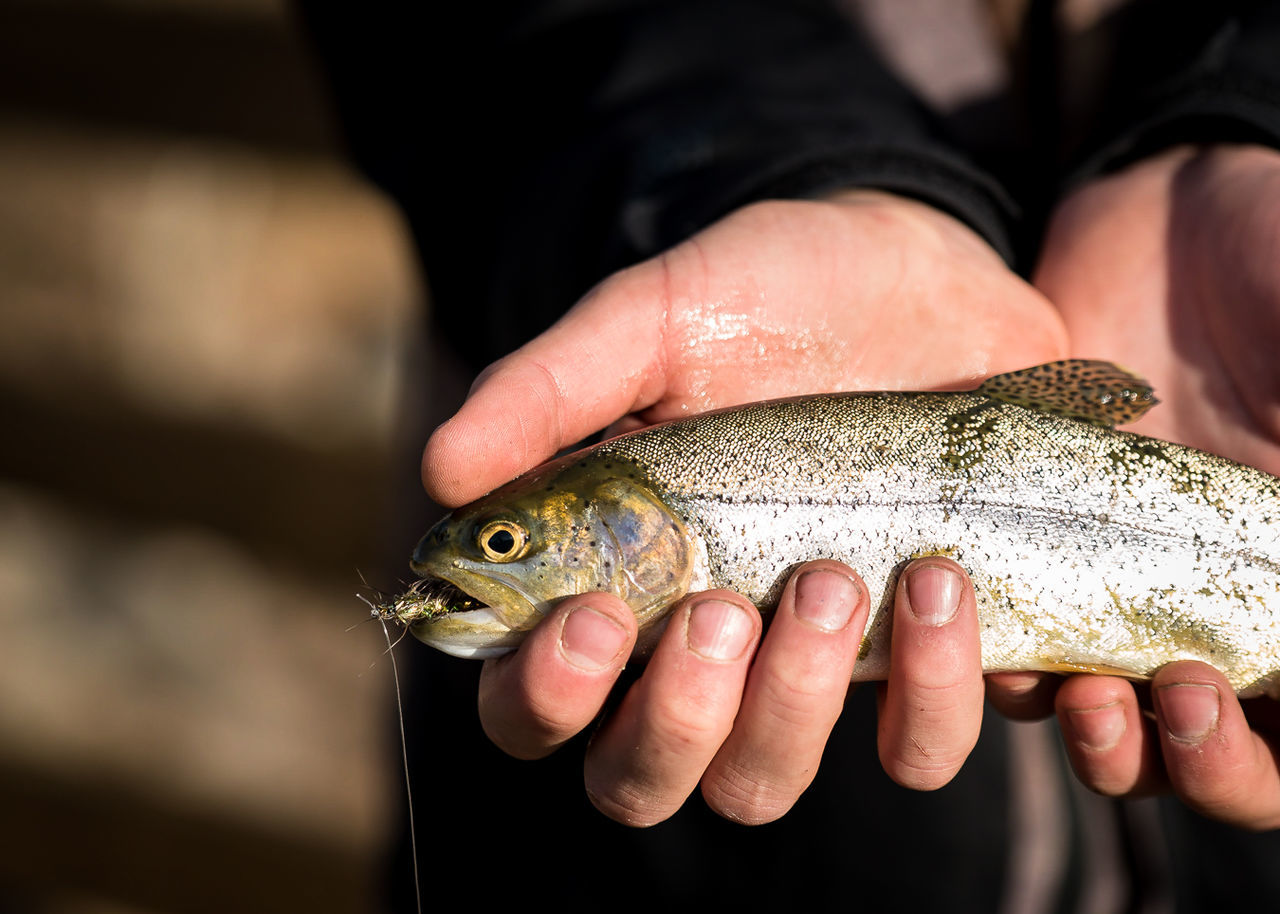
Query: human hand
[[749, 726], [865, 291], [1172, 268]]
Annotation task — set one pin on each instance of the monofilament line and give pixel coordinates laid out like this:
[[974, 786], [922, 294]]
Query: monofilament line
[[404, 752]]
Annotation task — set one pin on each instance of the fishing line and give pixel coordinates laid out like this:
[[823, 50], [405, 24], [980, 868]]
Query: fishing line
[[404, 751]]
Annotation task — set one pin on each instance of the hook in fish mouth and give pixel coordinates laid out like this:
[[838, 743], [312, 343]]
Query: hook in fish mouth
[[444, 616], [426, 599]]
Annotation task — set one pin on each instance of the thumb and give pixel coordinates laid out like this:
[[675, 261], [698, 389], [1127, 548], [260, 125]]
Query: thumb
[[602, 360]]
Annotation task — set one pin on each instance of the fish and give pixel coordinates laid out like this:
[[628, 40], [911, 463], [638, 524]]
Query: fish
[[1091, 549]]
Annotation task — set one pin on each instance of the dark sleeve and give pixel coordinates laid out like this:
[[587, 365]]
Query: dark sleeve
[[537, 147], [1190, 72]]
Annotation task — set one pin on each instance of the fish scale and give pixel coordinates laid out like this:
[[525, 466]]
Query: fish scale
[[1085, 545], [1089, 548]]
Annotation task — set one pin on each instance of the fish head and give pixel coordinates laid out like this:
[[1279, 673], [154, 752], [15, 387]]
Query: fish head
[[575, 526]]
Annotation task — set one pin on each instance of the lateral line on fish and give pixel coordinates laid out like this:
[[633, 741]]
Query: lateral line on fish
[[1172, 532]]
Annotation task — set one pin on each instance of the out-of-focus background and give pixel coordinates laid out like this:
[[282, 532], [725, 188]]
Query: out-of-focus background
[[211, 396], [213, 392]]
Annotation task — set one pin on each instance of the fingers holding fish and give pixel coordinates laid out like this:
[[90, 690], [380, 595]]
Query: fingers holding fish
[[794, 694], [931, 705], [1110, 743], [1216, 763], [533, 700], [1197, 742], [1062, 521], [1023, 695], [649, 756]]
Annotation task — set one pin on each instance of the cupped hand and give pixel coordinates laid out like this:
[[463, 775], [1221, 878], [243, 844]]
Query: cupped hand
[[863, 291], [1172, 268]]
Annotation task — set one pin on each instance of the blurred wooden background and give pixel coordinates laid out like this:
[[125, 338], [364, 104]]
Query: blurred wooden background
[[206, 326], [212, 394]]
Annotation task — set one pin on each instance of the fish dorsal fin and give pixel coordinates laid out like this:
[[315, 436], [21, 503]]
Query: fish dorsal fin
[[1087, 389]]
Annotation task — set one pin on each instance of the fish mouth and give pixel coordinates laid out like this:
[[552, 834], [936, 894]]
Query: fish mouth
[[443, 615], [474, 634]]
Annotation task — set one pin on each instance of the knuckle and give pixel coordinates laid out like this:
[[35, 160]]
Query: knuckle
[[927, 734], [934, 704], [688, 715], [940, 660], [791, 702], [517, 746], [926, 760], [918, 768], [922, 772], [547, 391], [1228, 791], [685, 729], [630, 803], [741, 796], [524, 739], [1107, 778], [522, 723]]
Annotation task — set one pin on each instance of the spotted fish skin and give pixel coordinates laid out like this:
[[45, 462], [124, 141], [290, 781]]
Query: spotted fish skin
[[1090, 549]]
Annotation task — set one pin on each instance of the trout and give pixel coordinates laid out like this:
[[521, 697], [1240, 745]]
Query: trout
[[1090, 549]]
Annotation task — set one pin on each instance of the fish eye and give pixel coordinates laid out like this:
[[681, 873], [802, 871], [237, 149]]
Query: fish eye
[[503, 541]]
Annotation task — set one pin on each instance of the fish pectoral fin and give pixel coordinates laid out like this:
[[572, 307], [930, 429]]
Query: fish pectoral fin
[[1090, 390]]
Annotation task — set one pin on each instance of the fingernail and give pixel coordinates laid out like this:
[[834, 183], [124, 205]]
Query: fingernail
[[1189, 710], [933, 592], [1099, 728], [590, 640], [825, 599], [1020, 686], [719, 630]]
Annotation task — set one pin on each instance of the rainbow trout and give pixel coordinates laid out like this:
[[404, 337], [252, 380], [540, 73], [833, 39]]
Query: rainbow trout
[[1090, 549]]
